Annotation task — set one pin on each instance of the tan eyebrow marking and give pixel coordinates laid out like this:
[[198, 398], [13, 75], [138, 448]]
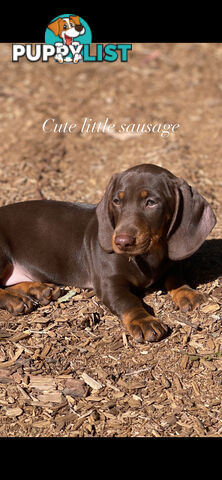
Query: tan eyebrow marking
[[144, 194], [121, 195]]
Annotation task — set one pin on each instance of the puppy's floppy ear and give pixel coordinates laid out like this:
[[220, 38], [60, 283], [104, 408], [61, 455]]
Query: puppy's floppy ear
[[104, 216], [55, 26], [192, 221]]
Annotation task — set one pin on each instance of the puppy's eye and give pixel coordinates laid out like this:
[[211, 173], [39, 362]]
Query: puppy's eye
[[71, 24], [150, 203], [116, 201], [65, 27]]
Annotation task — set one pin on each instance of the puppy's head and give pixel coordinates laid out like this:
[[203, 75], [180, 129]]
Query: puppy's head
[[148, 206], [67, 28]]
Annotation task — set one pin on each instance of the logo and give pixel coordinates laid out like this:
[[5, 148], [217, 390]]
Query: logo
[[64, 32], [68, 39]]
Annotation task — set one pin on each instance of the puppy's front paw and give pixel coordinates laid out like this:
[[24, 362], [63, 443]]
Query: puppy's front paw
[[147, 330], [144, 327], [187, 299]]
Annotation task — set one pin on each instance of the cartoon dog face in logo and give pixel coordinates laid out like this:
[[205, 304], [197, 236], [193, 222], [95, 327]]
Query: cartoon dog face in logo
[[67, 28]]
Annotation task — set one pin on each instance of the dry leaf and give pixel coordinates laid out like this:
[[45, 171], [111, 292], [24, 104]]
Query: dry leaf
[[67, 296]]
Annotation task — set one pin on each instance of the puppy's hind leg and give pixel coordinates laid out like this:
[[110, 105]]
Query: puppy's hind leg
[[23, 297], [10, 301], [39, 293]]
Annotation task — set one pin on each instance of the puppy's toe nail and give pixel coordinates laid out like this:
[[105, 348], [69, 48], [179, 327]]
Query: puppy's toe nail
[[47, 292], [139, 338], [137, 334], [152, 336]]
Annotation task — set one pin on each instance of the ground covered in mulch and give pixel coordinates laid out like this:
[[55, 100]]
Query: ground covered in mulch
[[69, 369]]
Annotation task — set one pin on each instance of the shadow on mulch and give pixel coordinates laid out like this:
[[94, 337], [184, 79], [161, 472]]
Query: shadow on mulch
[[205, 265], [202, 267]]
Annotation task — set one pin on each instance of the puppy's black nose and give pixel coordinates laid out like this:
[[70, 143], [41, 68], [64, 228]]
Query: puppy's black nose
[[124, 240], [78, 28]]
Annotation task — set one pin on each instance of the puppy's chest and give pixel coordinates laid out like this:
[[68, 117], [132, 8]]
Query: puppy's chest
[[146, 270]]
